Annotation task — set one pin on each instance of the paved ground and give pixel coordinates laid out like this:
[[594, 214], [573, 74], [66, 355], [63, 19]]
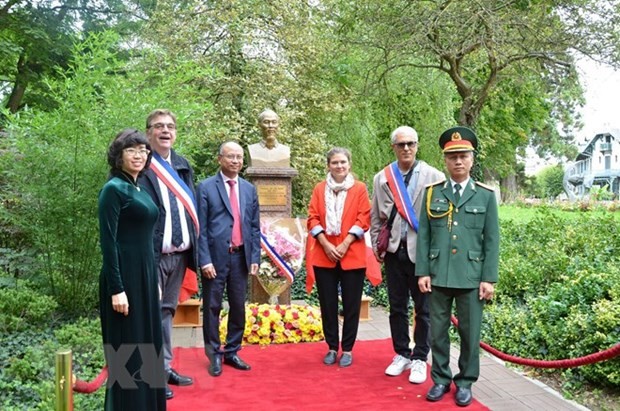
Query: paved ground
[[499, 388]]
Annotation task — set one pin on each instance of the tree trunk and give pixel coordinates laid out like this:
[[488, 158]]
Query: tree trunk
[[21, 81], [509, 188]]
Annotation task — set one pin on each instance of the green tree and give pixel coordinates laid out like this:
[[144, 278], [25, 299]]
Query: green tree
[[550, 181], [513, 56], [37, 37], [263, 55], [54, 162]]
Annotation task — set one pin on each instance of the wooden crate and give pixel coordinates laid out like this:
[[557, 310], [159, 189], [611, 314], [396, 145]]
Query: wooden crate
[[188, 314], [365, 308]]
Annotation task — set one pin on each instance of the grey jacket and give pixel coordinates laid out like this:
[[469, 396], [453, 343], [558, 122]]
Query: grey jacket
[[383, 201]]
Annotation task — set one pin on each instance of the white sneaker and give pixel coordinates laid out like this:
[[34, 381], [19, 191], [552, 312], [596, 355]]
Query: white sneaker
[[418, 372], [399, 364]]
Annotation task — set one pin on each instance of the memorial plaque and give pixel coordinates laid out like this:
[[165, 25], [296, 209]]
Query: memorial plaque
[[272, 195]]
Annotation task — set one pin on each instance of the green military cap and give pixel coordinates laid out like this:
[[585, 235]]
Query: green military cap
[[458, 139]]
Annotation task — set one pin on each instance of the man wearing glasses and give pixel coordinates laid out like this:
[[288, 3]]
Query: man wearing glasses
[[170, 182], [398, 196], [229, 246]]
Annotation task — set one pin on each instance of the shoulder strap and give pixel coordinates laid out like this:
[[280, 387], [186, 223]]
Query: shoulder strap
[[488, 187], [171, 179], [394, 210]]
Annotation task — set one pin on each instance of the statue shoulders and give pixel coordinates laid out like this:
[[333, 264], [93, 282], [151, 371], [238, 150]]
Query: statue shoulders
[[277, 156], [261, 146]]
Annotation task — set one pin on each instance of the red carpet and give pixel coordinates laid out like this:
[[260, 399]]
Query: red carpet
[[293, 377]]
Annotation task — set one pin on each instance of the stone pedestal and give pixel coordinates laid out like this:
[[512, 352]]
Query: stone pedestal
[[274, 187]]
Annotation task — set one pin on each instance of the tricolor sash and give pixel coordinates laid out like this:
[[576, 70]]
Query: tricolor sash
[[164, 171], [401, 196], [284, 269]]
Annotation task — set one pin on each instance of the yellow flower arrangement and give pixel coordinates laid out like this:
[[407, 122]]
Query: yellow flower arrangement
[[278, 324]]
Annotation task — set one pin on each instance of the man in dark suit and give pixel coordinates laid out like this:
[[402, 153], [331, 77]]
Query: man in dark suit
[[174, 237], [229, 249], [458, 256]]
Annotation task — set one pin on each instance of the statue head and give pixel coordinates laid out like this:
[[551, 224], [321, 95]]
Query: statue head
[[269, 122]]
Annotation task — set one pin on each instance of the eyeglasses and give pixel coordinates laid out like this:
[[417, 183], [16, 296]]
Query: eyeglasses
[[233, 157], [405, 144], [143, 152], [160, 126]]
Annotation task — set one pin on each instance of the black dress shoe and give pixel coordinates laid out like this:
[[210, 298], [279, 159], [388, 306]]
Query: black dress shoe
[[437, 392], [463, 396], [236, 362], [215, 368], [169, 393], [175, 378]]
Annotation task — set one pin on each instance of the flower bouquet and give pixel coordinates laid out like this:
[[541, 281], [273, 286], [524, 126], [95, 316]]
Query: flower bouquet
[[282, 251], [279, 324]]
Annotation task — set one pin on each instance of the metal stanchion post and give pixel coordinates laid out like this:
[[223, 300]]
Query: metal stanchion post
[[64, 381]]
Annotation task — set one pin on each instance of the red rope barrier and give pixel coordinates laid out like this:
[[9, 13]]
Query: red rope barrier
[[84, 387], [607, 354]]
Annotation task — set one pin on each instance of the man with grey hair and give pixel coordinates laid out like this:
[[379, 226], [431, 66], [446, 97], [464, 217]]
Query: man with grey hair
[[397, 199]]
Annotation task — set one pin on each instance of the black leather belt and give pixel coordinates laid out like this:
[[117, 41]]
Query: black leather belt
[[235, 249], [174, 253]]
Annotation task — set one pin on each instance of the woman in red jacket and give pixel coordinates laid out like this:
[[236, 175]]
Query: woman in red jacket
[[338, 216]]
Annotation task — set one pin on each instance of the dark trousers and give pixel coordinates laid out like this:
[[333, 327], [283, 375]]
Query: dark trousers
[[171, 272], [351, 284], [234, 276], [402, 283], [469, 313]]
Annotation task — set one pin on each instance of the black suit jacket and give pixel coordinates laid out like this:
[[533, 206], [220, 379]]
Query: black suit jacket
[[148, 180]]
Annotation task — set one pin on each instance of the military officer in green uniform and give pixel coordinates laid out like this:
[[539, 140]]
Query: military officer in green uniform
[[457, 261]]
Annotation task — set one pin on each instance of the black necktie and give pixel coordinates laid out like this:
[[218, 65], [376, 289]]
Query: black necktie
[[457, 193], [177, 233]]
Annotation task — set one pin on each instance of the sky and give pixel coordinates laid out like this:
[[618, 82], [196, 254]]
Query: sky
[[601, 112], [602, 91]]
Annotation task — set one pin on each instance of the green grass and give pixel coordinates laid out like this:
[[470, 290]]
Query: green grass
[[525, 214]]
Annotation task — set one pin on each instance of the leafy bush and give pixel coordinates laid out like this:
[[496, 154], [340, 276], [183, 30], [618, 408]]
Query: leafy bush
[[22, 308], [549, 182], [27, 365], [559, 292]]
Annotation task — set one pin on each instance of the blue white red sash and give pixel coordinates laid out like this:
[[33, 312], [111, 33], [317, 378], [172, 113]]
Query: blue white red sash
[[401, 196], [164, 171], [284, 269]]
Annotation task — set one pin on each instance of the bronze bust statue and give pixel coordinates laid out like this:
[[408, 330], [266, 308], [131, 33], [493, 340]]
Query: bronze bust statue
[[269, 153]]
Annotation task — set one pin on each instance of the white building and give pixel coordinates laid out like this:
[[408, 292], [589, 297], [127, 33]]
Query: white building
[[597, 165]]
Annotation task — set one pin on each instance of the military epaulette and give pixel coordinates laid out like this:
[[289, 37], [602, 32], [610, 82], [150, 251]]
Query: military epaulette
[[435, 183], [488, 187]]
